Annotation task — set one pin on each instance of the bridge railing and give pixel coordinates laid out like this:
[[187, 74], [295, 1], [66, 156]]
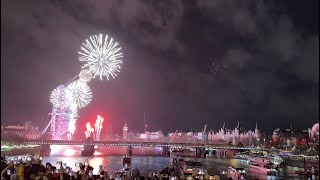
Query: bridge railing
[[134, 144]]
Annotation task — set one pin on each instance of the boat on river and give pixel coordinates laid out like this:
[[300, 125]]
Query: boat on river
[[266, 160], [126, 159], [263, 168]]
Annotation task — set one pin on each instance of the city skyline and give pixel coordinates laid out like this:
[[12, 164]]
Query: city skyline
[[108, 127], [193, 64]]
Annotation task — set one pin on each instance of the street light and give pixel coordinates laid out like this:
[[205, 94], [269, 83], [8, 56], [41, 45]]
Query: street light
[[264, 142], [258, 141]]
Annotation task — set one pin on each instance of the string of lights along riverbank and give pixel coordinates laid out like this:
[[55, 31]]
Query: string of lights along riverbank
[[102, 56]]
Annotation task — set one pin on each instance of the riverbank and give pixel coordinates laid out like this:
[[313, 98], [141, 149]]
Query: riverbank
[[21, 151]]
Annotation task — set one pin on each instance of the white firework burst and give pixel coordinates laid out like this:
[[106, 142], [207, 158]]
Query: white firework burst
[[102, 56], [54, 97], [59, 97], [80, 93], [85, 75]]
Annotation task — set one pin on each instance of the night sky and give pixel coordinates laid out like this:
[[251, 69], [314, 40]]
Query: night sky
[[186, 63]]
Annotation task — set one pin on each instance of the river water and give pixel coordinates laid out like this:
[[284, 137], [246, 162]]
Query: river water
[[149, 159]]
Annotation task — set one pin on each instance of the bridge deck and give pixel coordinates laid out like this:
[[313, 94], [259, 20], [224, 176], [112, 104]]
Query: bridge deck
[[134, 144]]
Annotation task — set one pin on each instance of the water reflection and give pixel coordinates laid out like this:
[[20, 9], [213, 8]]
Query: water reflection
[[111, 161]]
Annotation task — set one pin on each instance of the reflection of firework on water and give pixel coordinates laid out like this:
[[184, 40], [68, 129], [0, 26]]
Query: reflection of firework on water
[[89, 130], [102, 56], [98, 126], [85, 75], [80, 93]]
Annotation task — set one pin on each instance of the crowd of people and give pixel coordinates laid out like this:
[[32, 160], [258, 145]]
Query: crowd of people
[[35, 170]]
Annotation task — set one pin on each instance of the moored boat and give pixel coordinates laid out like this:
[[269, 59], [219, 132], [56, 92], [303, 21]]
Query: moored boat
[[263, 168], [126, 159], [264, 160]]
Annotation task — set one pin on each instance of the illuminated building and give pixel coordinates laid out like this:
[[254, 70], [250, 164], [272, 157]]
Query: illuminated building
[[26, 131], [125, 132], [234, 136], [291, 137], [150, 136]]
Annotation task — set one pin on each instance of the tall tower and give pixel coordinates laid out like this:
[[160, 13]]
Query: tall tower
[[125, 131], [237, 130], [256, 131]]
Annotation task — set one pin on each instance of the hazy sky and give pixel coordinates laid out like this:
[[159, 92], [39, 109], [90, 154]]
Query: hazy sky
[[186, 63]]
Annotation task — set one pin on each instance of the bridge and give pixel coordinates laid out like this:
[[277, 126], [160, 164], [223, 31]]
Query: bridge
[[201, 149], [133, 144]]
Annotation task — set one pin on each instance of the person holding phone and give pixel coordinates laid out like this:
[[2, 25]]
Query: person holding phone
[[82, 167], [15, 175], [8, 171], [63, 172], [90, 173], [49, 171]]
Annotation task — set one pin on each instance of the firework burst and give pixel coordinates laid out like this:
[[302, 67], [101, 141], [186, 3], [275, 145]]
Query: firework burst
[[80, 93], [98, 127], [89, 130], [102, 56], [59, 97]]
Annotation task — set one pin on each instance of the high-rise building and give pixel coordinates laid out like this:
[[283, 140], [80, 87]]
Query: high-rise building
[[256, 131], [125, 131]]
